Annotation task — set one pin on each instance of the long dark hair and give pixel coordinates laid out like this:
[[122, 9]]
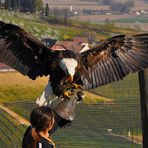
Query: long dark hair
[[41, 118]]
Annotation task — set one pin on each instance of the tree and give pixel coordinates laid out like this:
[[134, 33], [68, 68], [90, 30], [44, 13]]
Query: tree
[[8, 4], [31, 5], [46, 10], [65, 15], [26, 6], [38, 5], [12, 5], [15, 5], [122, 7]]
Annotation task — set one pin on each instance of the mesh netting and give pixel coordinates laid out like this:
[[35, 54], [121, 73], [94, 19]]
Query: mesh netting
[[114, 122]]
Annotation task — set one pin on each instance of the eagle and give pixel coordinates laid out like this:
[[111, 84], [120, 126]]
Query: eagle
[[110, 60]]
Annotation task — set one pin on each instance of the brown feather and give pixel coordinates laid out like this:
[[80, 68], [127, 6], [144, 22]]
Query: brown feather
[[114, 58], [21, 51]]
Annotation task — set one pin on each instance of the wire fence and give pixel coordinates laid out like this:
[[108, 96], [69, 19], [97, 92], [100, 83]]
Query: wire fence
[[113, 124]]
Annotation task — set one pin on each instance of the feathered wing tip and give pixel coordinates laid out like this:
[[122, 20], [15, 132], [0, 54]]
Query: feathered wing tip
[[136, 56], [23, 52], [113, 59]]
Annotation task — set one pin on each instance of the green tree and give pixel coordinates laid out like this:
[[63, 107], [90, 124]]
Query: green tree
[[25, 6], [46, 10], [65, 15], [14, 5], [38, 5], [8, 4]]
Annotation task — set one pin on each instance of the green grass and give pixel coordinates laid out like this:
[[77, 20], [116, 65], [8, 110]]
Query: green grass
[[38, 27], [140, 19], [89, 129], [41, 28], [120, 90], [11, 133], [15, 86]]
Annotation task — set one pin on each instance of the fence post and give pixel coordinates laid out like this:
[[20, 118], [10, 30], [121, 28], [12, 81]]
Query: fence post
[[143, 85]]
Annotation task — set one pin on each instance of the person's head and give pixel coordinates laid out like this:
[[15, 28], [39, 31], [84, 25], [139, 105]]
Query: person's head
[[42, 120]]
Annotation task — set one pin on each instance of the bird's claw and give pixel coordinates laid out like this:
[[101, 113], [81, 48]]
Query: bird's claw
[[67, 94]]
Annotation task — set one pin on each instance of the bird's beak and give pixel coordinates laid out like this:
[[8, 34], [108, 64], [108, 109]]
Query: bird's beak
[[69, 79]]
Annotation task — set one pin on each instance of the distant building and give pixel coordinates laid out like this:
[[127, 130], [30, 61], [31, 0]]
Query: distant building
[[70, 46], [78, 44], [81, 40], [58, 46]]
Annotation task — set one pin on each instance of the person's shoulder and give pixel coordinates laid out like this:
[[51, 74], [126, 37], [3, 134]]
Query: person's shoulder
[[43, 143], [25, 137]]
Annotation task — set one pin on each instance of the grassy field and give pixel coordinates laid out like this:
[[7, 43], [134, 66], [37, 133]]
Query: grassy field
[[38, 27], [41, 28], [119, 91], [16, 87], [93, 119], [134, 19], [10, 132], [90, 127], [100, 18]]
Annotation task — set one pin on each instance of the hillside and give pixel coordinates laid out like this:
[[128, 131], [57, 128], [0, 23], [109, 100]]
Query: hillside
[[37, 27], [16, 87], [41, 28]]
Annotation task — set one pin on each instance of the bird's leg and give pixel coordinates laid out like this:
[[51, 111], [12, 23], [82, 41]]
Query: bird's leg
[[77, 86]]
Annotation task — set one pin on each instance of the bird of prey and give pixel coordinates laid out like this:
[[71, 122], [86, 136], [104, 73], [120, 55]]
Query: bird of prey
[[111, 60]]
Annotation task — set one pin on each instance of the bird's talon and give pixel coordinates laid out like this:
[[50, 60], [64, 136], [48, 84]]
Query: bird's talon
[[67, 94]]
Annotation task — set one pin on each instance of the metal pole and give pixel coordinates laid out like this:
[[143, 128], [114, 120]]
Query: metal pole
[[143, 85]]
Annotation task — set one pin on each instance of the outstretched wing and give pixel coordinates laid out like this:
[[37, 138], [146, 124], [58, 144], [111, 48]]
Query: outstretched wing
[[113, 59], [21, 51]]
